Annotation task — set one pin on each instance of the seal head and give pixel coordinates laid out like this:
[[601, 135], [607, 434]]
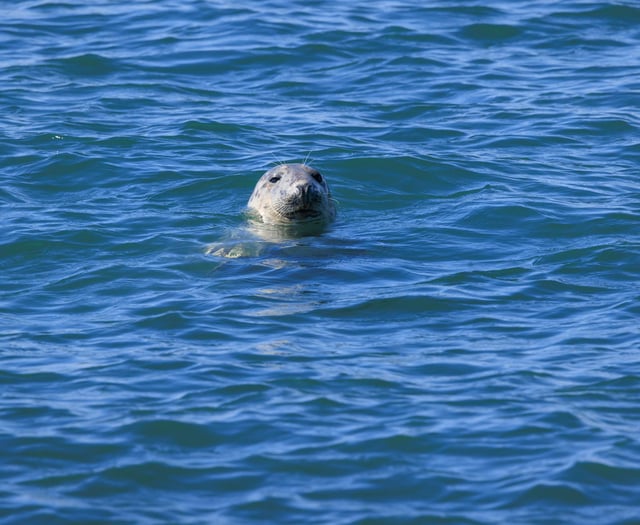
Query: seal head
[[290, 194]]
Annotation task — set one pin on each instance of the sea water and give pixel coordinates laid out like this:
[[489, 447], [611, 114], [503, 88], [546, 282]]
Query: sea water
[[460, 346]]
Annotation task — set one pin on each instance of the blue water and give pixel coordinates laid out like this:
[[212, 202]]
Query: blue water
[[462, 346]]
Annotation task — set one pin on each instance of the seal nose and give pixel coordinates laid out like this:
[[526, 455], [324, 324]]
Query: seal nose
[[307, 194]]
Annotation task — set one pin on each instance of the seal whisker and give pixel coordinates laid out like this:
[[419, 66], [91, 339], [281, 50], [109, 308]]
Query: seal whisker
[[306, 159], [276, 160]]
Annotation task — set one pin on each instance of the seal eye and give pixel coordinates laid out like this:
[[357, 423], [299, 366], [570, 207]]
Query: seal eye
[[316, 175], [274, 179]]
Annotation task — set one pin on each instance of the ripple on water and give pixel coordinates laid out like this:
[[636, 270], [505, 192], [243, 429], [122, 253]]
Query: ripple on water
[[460, 346]]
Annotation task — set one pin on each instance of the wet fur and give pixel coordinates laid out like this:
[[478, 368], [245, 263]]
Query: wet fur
[[291, 194]]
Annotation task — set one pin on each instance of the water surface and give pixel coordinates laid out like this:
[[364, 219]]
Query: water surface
[[461, 346]]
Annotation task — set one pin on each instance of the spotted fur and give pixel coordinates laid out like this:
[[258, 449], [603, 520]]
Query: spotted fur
[[292, 193]]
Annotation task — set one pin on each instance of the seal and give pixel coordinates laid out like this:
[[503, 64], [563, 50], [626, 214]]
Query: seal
[[288, 202], [290, 194]]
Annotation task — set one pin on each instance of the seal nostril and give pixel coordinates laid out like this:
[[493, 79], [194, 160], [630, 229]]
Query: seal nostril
[[306, 194]]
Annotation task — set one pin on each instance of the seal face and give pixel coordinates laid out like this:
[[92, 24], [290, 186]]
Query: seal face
[[291, 194]]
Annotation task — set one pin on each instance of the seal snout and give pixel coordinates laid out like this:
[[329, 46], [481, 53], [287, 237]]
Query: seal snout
[[308, 194]]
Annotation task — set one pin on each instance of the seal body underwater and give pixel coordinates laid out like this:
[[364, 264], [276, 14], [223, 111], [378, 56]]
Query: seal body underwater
[[291, 194]]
